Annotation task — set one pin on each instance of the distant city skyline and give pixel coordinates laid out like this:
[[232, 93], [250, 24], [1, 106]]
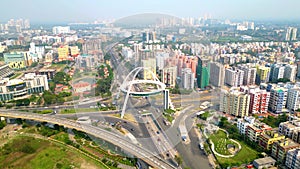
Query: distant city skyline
[[91, 10]]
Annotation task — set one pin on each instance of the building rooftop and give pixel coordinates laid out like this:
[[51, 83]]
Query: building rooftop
[[272, 134], [81, 84], [265, 160], [47, 70], [14, 82], [287, 143]]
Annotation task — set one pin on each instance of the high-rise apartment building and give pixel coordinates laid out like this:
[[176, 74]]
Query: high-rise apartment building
[[290, 72], [291, 34], [149, 37], [61, 30], [235, 103], [169, 75], [91, 46], [187, 78], [202, 74], [161, 58], [298, 69], [234, 77], [293, 99], [249, 74], [63, 53], [217, 74], [259, 101], [277, 101], [150, 65], [262, 75], [74, 51], [276, 72]]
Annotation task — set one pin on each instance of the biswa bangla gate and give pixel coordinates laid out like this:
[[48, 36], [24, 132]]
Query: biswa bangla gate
[[128, 83]]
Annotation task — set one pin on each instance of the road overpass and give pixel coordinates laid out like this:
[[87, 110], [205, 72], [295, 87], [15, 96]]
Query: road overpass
[[113, 138]]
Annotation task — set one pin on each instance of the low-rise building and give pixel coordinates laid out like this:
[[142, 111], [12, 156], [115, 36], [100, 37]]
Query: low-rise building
[[281, 147], [254, 131], [287, 128], [81, 87], [17, 60], [5, 71], [296, 135], [293, 159], [268, 138], [22, 88], [242, 124], [48, 72], [265, 162]]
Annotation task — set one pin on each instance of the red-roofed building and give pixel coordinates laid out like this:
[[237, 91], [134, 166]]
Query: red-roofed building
[[81, 87]]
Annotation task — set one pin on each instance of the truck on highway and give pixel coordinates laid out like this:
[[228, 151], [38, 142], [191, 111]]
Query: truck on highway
[[183, 132]]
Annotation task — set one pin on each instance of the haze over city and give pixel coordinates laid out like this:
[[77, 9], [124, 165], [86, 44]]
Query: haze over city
[[157, 84], [57, 11]]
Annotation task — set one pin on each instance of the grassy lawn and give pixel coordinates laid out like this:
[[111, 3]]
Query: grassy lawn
[[31, 153], [68, 111], [80, 110], [43, 111], [58, 66], [221, 141], [168, 114], [245, 155]]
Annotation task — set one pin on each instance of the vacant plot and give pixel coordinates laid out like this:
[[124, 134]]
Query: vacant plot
[[31, 153]]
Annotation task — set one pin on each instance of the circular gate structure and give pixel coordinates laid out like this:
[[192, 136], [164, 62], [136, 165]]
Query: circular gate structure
[[130, 81]]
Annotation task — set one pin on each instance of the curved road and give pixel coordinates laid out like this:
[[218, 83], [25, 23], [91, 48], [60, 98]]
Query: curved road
[[113, 138]]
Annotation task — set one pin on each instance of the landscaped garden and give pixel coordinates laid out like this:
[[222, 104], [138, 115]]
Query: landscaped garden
[[223, 145], [230, 155]]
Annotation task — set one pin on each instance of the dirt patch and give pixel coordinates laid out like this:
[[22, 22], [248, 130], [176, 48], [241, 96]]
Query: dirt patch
[[86, 165]]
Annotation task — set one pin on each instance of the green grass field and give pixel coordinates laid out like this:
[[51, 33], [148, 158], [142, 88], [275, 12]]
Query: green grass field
[[221, 141], [79, 110], [245, 155], [31, 153]]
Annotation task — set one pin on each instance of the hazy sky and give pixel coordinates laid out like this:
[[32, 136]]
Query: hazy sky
[[90, 10]]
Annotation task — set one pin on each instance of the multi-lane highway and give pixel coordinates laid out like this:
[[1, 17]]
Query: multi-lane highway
[[101, 133]]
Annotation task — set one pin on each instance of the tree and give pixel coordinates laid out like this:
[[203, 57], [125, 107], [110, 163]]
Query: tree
[[61, 78], [107, 57], [32, 98], [2, 124]]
